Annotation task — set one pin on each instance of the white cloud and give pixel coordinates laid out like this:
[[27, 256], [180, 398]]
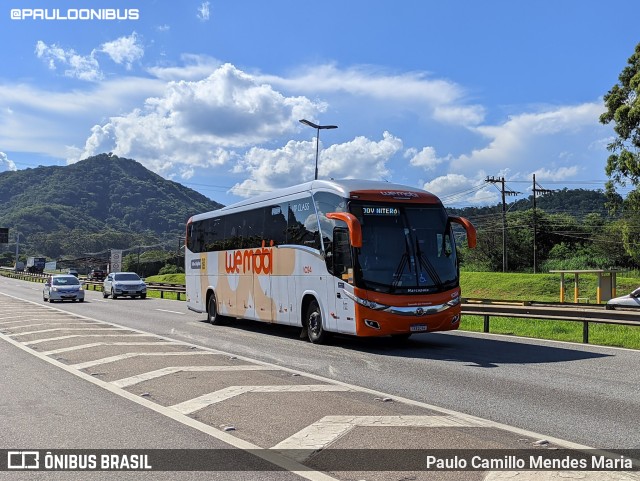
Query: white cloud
[[78, 66], [550, 143], [6, 163], [203, 11], [426, 158], [124, 50], [195, 67], [532, 138], [51, 123], [458, 189], [559, 174], [442, 100], [295, 163], [360, 158], [195, 123]]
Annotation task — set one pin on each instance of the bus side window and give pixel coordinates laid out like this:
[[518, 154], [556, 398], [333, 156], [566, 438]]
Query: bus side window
[[342, 261]]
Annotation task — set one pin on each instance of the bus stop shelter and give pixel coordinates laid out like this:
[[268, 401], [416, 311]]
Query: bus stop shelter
[[606, 284]]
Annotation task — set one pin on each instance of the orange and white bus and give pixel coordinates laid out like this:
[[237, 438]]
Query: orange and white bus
[[356, 257]]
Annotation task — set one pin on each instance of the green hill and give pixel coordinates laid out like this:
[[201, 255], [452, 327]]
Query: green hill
[[576, 202], [105, 197]]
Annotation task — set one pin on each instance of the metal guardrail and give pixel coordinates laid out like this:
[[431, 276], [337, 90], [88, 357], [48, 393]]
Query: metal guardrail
[[585, 313], [178, 289]]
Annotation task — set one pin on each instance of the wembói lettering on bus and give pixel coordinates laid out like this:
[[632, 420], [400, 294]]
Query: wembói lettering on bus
[[258, 261]]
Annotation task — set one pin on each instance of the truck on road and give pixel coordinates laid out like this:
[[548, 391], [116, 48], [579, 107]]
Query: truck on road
[[35, 265]]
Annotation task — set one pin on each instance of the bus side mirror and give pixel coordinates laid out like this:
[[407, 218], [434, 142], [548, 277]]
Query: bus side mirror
[[355, 229], [468, 227]]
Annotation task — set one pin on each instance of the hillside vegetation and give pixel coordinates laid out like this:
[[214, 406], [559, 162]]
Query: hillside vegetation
[[98, 203]]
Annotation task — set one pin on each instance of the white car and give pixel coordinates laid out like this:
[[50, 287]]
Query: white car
[[124, 284], [630, 300], [63, 287]]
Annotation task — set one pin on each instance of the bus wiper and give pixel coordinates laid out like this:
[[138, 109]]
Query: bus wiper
[[404, 260], [428, 266]]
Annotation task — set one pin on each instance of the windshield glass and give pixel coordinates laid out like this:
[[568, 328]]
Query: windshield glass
[[126, 277], [65, 281], [405, 248]]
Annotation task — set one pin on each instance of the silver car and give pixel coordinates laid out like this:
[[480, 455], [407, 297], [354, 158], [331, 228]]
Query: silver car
[[630, 300], [124, 284], [63, 287]]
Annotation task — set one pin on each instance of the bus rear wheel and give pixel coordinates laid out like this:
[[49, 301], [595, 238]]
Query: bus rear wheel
[[315, 328]]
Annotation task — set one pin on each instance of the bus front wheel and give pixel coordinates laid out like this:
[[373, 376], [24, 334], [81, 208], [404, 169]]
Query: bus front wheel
[[212, 311], [315, 329]]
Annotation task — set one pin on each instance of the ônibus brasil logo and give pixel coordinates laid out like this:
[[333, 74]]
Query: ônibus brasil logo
[[259, 261]]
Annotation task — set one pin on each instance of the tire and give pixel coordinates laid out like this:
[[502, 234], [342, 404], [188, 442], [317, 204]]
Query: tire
[[315, 328], [50, 300], [609, 307], [213, 317], [143, 296], [80, 300], [113, 294]]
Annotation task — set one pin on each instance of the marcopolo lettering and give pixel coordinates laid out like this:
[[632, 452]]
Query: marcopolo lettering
[[258, 261]]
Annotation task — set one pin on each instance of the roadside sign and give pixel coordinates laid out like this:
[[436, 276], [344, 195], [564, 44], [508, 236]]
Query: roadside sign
[[116, 260]]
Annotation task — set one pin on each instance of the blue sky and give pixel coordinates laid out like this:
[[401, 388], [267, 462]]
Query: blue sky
[[432, 94]]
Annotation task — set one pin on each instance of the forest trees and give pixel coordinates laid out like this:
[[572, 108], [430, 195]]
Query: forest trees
[[623, 164]]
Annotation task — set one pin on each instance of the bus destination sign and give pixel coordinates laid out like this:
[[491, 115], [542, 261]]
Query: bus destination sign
[[381, 211]]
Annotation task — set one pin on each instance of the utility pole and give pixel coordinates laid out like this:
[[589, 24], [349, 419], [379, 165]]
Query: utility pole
[[17, 247], [493, 180], [536, 190]]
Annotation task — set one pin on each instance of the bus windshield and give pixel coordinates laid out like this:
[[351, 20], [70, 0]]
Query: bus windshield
[[406, 249]]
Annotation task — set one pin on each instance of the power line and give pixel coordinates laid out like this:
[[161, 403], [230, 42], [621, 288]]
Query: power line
[[494, 181]]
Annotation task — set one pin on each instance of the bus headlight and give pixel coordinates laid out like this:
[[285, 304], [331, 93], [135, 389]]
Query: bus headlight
[[366, 303]]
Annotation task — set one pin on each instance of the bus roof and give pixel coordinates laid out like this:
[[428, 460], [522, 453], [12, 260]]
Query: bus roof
[[347, 188]]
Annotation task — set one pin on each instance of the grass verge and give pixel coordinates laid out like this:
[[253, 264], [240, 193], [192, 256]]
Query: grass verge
[[546, 288]]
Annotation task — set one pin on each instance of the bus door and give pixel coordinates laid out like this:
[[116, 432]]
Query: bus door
[[342, 311]]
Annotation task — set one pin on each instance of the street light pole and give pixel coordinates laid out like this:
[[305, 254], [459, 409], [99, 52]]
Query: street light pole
[[318, 128]]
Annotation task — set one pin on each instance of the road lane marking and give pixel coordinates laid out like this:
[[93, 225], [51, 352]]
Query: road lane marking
[[53, 323], [71, 336], [72, 329], [201, 402], [128, 355], [172, 312], [327, 430], [130, 381], [96, 344]]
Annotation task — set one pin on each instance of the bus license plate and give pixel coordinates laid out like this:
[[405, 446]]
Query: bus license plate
[[418, 327]]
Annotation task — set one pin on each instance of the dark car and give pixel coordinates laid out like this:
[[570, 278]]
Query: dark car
[[96, 275]]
